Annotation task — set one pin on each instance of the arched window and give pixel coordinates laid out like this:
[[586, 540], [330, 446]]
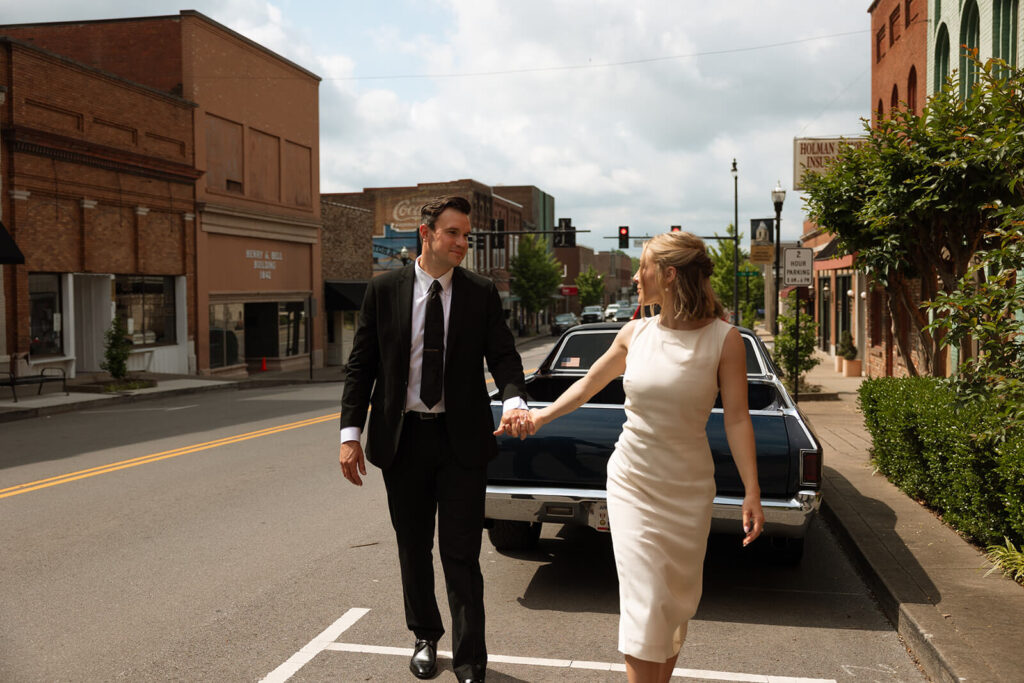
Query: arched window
[[880, 112], [894, 99], [941, 57], [970, 40], [1004, 31], [912, 90]]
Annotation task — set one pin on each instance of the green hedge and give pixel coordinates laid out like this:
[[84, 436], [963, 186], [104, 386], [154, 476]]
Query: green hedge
[[938, 450]]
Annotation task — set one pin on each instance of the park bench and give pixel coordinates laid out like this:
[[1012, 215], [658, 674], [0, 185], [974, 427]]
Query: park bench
[[14, 378]]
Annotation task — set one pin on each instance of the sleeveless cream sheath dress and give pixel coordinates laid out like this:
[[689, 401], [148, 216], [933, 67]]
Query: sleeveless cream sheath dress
[[661, 483]]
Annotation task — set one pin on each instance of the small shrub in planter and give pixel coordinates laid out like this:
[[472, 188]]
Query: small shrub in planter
[[118, 348], [846, 348]]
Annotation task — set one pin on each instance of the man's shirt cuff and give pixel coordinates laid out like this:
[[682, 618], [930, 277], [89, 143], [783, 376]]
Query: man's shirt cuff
[[351, 434], [514, 403]]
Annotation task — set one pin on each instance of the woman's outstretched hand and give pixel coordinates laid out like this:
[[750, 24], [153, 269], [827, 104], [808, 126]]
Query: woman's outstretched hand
[[753, 518]]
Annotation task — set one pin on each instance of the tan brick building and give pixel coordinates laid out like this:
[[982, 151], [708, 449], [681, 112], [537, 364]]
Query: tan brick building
[[347, 238], [256, 217]]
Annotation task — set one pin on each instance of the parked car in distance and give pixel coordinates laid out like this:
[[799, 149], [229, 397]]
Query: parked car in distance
[[623, 313], [609, 311], [592, 314], [558, 475], [562, 322]]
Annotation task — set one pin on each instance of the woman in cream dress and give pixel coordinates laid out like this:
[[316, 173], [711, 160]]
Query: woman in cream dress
[[661, 475]]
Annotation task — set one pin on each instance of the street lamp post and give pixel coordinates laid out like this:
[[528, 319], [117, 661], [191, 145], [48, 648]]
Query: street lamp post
[[736, 245], [404, 256], [778, 196]]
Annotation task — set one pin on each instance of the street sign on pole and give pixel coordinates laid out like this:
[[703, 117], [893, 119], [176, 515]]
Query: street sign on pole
[[570, 290], [797, 266]]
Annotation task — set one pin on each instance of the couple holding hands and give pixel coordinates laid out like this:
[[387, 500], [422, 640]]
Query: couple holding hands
[[417, 359]]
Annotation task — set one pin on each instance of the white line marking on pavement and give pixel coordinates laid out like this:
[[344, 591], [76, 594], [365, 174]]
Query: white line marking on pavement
[[315, 646], [573, 664]]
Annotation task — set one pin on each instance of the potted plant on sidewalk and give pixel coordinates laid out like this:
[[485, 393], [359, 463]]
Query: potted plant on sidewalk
[[848, 352]]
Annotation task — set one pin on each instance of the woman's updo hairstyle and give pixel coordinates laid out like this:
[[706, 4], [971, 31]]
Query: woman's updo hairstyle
[[689, 296]]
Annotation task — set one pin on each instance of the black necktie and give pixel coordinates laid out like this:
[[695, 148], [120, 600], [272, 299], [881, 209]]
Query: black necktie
[[433, 348]]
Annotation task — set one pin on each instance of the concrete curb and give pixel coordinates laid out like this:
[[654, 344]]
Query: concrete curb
[[940, 650]]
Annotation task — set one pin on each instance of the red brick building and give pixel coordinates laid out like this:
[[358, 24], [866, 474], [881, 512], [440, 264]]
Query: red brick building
[[97, 176], [255, 139], [899, 60], [396, 219]]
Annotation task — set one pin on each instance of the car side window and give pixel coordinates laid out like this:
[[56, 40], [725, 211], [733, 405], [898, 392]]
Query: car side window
[[582, 350], [753, 367]]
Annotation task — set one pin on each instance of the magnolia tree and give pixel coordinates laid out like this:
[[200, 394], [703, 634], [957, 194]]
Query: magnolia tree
[[921, 197]]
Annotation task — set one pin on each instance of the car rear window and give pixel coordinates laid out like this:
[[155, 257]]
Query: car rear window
[[581, 350]]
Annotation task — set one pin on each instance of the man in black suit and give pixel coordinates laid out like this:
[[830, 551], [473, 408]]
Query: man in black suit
[[417, 360]]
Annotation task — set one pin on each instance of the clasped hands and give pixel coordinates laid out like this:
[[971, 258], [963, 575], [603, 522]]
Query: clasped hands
[[519, 423]]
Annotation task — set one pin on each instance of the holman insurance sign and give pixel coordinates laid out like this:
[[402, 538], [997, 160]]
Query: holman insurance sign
[[815, 154]]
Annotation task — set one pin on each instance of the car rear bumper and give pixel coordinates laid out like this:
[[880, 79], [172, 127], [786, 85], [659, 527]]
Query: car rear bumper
[[785, 518]]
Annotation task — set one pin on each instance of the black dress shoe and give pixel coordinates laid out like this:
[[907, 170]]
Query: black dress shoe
[[472, 680], [424, 659]]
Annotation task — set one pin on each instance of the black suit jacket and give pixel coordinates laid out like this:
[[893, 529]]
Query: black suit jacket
[[377, 374]]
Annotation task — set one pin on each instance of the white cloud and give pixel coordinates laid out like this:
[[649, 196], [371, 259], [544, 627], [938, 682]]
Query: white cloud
[[647, 144]]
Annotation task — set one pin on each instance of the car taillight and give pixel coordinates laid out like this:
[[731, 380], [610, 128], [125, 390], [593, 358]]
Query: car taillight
[[811, 461]]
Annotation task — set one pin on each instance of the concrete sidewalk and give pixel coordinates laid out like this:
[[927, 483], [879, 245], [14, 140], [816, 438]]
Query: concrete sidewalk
[[961, 624]]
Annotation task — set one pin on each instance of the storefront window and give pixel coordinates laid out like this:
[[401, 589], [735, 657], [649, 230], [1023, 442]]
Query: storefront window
[[146, 305], [291, 328], [227, 335], [45, 318]]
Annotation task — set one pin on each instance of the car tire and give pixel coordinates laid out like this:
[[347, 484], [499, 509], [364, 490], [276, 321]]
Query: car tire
[[509, 535], [787, 550]]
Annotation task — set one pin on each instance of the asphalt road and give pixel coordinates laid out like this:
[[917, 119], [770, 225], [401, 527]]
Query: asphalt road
[[212, 538]]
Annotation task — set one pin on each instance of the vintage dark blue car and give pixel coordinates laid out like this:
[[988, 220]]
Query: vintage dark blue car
[[558, 475]]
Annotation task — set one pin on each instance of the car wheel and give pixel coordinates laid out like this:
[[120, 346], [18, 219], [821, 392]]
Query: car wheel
[[788, 550], [509, 535]]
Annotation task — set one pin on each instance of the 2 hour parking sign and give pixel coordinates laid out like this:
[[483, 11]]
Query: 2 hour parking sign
[[798, 269]]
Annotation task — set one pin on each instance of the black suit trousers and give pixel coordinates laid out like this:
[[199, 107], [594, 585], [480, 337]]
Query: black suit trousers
[[425, 481]]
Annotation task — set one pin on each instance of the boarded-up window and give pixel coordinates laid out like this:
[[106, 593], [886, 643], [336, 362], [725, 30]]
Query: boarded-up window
[[224, 155], [264, 166], [298, 174]]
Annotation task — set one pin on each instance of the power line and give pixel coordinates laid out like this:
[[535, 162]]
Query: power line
[[579, 67]]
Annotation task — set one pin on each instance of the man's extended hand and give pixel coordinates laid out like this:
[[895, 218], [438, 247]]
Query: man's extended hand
[[352, 462], [515, 423]]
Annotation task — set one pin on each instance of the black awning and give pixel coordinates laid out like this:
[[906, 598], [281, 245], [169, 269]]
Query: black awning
[[9, 252], [343, 296], [829, 251]]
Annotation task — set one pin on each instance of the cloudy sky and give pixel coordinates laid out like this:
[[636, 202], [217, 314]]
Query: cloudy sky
[[628, 112]]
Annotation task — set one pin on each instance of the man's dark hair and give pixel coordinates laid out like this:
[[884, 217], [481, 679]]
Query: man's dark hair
[[435, 207]]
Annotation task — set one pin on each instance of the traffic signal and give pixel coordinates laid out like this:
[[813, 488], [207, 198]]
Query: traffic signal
[[623, 237], [676, 228]]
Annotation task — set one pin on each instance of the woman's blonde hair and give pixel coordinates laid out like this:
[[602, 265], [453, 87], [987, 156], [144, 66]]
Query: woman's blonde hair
[[689, 296]]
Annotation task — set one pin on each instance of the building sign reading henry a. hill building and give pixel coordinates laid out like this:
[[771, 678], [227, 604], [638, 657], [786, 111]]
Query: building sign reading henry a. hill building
[[815, 154]]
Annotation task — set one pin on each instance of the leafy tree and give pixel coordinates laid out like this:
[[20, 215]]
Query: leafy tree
[[591, 286], [986, 309], [118, 348], [795, 355], [918, 199], [751, 290], [535, 274]]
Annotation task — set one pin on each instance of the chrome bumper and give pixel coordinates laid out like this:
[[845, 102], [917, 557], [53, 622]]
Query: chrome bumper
[[787, 518]]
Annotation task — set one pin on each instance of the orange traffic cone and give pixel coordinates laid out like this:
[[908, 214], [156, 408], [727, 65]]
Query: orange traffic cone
[[263, 364]]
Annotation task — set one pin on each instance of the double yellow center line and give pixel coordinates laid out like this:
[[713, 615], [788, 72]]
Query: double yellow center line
[[162, 455]]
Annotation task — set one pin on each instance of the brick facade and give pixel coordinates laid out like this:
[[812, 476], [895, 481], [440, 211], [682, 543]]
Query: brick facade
[[97, 177], [251, 145]]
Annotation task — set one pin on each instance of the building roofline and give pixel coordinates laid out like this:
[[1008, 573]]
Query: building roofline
[[175, 17], [149, 90]]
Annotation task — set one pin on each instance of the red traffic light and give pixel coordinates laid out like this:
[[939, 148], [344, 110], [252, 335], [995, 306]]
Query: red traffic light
[[676, 228], [623, 237]]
